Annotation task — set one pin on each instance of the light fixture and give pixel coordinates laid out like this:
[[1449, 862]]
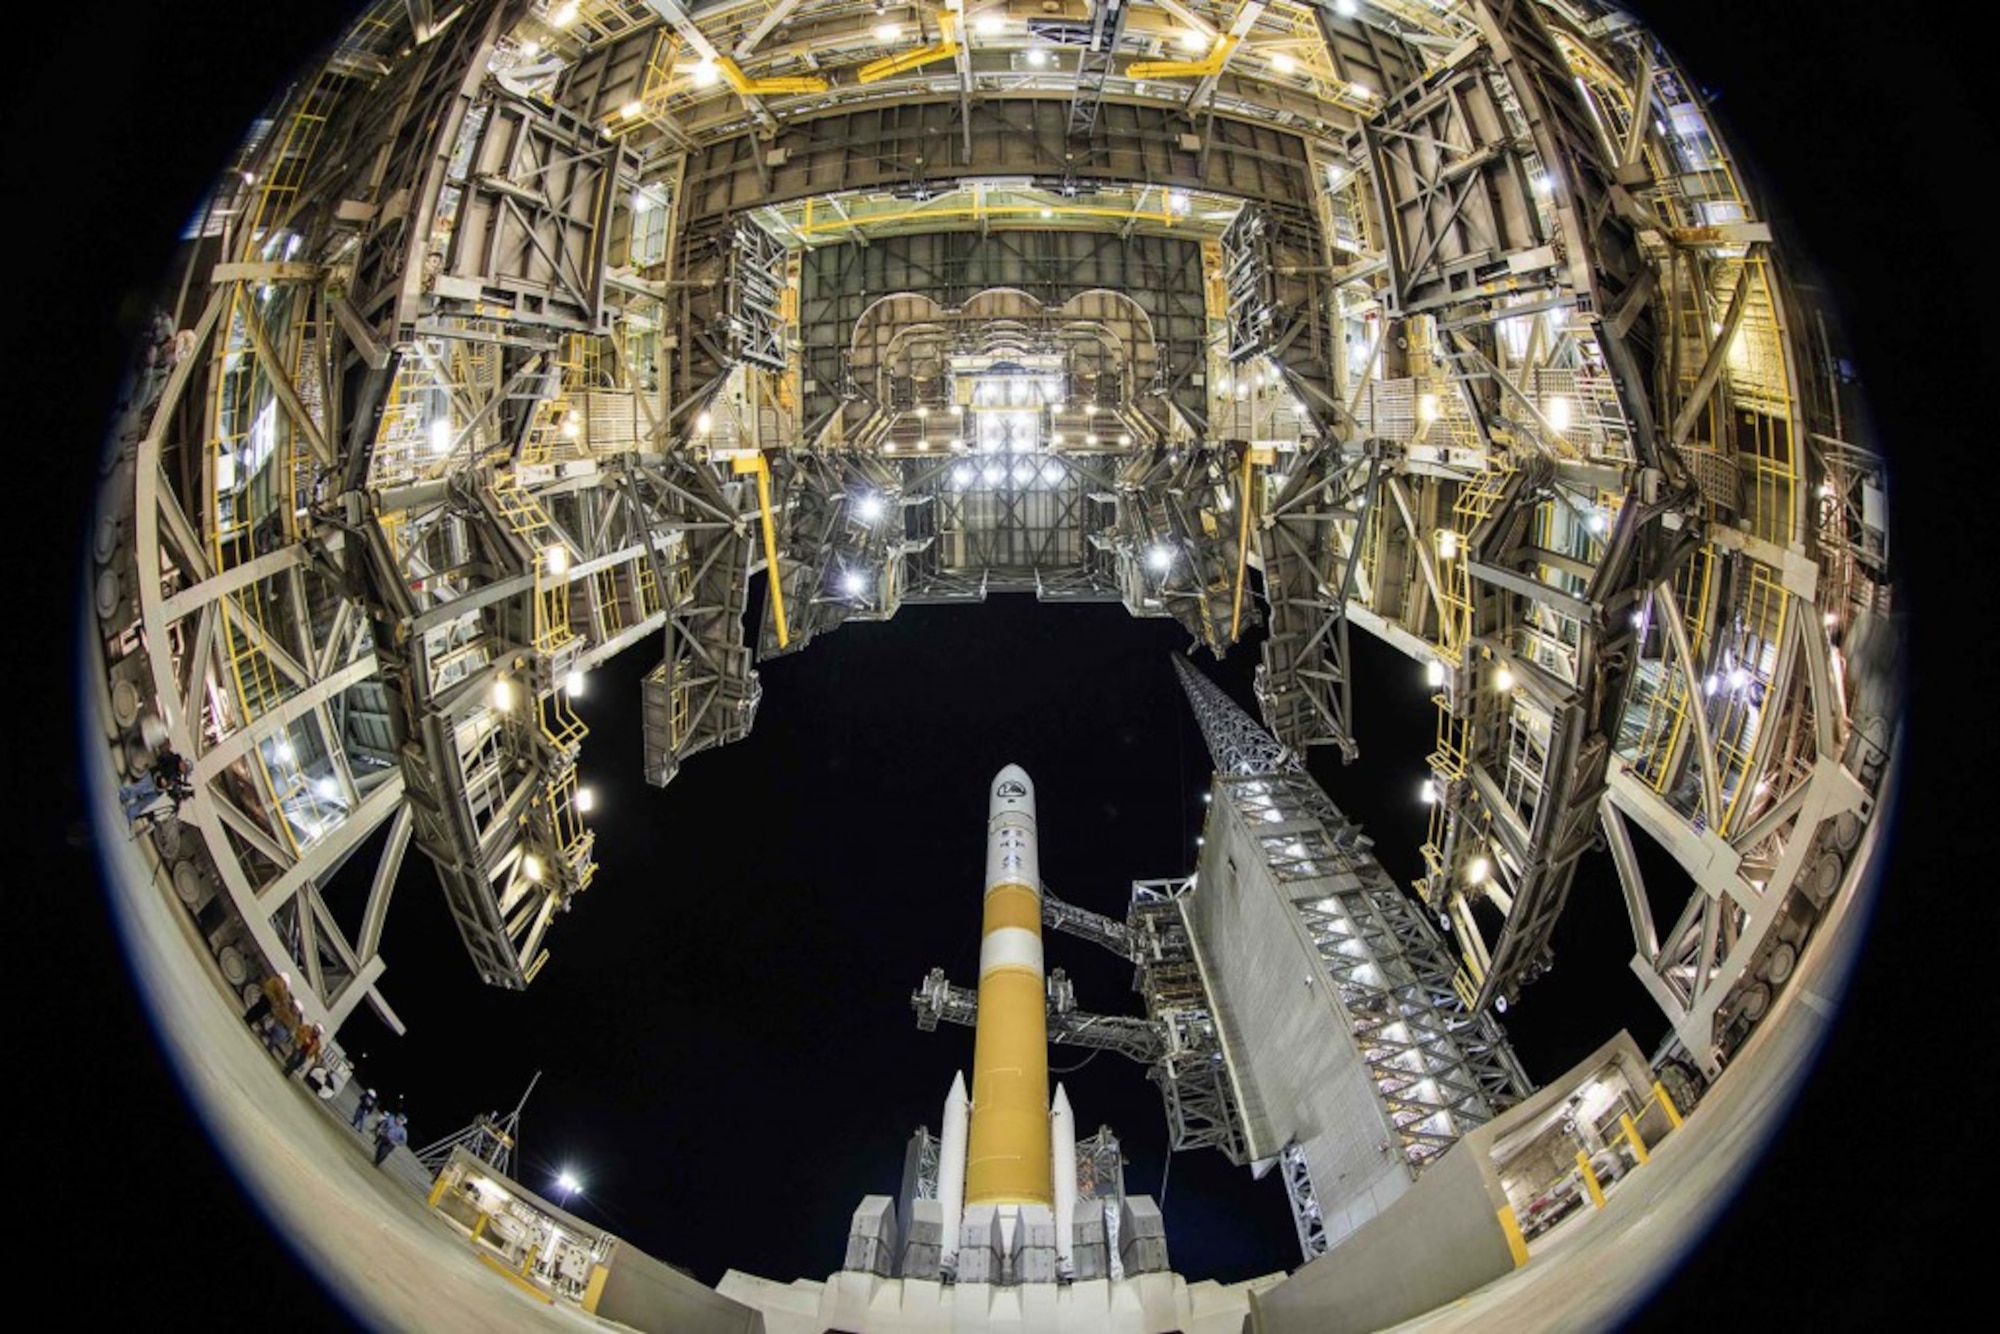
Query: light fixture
[[1434, 672], [986, 25], [1089, 439], [565, 14], [640, 202], [631, 109], [887, 32], [852, 583], [1200, 841], [1831, 619], [1598, 521], [958, 409], [993, 474], [1124, 438], [440, 435], [1160, 557], [1177, 200], [1447, 544], [1048, 212], [556, 558], [1282, 62], [921, 444], [573, 683], [961, 476], [702, 423], [870, 508], [503, 695], [326, 789], [1428, 793], [585, 799], [1738, 678], [1038, 57], [1193, 39], [1543, 183], [1222, 384], [1346, 8], [1090, 409], [1055, 438], [531, 48], [1361, 90], [531, 867], [1427, 408], [1710, 686], [1503, 679], [1478, 869], [705, 73], [571, 428]]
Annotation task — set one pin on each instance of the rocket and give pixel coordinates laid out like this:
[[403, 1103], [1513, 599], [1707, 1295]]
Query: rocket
[[1007, 1145]]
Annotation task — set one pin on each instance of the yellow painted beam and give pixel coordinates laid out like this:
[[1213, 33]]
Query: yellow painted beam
[[1589, 1178], [944, 48], [1212, 63], [758, 466], [743, 84], [1667, 1105], [1517, 1245], [1632, 1138]]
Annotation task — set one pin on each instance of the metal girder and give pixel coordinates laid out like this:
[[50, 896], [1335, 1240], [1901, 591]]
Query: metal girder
[[1093, 63], [1312, 530], [1133, 1038], [1281, 307], [878, 148]]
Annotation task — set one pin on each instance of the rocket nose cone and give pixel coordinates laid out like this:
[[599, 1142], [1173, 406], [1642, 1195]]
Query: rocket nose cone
[[1013, 784]]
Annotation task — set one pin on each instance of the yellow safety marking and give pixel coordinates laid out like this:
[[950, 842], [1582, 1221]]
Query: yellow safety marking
[[593, 1291], [514, 1278], [762, 469], [1517, 1245], [1590, 1178], [437, 1191], [1632, 1138], [1667, 1105]]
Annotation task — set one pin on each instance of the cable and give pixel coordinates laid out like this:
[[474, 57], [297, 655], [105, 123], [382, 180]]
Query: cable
[[1168, 1165], [1072, 1069]]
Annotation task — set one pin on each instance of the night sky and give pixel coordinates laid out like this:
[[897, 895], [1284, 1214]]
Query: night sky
[[728, 1054]]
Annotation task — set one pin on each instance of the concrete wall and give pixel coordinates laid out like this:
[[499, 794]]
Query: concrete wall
[[646, 1294], [1439, 1240], [1298, 1075]]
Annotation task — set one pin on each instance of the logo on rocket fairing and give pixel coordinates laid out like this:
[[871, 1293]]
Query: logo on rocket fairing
[[1010, 788]]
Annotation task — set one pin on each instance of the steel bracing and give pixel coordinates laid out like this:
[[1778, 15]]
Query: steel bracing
[[512, 343]]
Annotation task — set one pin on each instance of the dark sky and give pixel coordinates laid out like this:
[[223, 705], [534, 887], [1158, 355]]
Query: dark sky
[[727, 1009]]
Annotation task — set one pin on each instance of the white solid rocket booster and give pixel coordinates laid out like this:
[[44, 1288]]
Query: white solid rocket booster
[[951, 1166], [1062, 1154]]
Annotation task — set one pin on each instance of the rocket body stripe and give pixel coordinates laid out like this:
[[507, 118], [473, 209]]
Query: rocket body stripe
[[1007, 1149], [1010, 947]]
